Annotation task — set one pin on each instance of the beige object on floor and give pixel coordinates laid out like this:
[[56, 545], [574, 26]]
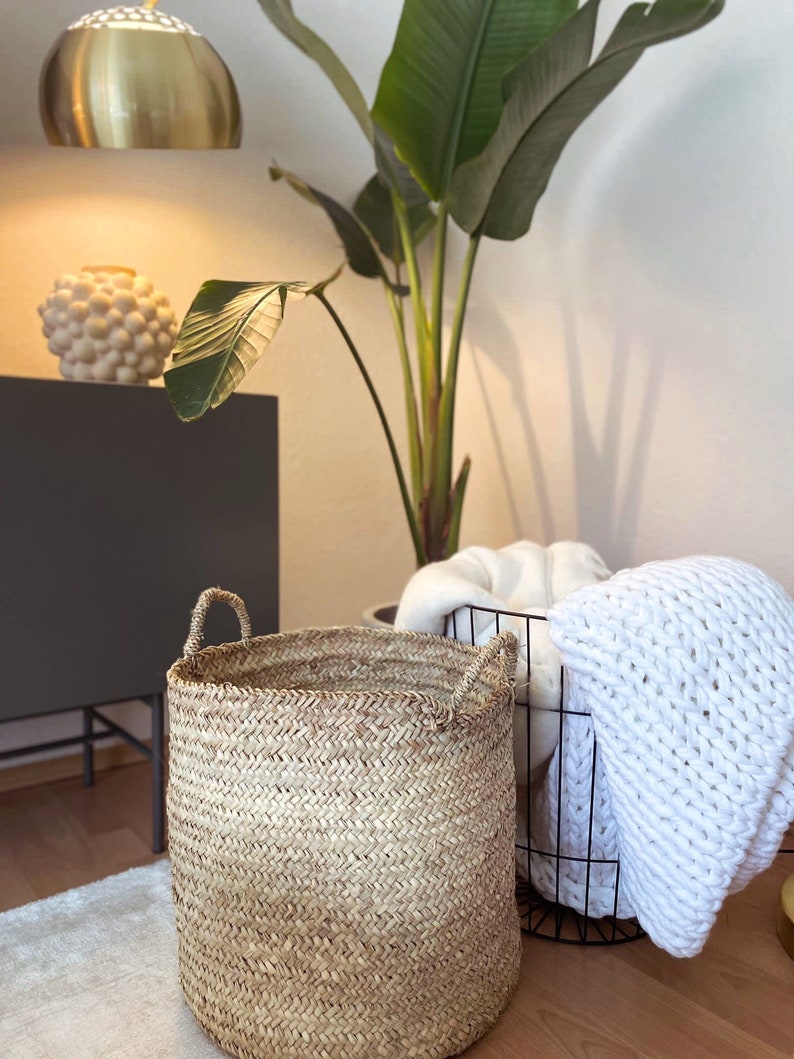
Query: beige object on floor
[[785, 916], [341, 821], [92, 974]]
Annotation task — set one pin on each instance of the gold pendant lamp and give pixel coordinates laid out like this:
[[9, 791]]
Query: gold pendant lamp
[[136, 77]]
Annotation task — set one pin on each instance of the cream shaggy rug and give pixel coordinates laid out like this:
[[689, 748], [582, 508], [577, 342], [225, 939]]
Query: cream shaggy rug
[[92, 974]]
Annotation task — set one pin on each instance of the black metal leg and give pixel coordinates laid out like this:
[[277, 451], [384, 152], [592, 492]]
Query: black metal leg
[[158, 773], [98, 726], [88, 747]]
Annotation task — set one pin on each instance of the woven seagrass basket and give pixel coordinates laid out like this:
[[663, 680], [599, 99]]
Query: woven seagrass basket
[[341, 811]]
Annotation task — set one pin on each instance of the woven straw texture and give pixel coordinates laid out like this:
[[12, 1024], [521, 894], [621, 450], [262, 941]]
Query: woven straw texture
[[687, 667], [341, 816]]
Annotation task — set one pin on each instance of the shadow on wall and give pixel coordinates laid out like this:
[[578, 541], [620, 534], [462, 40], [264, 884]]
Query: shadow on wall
[[610, 463], [488, 332], [608, 460], [660, 223], [678, 231], [695, 191]]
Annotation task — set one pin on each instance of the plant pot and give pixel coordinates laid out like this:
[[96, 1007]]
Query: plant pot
[[381, 616]]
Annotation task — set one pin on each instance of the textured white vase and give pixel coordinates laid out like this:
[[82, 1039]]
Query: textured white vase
[[108, 324]]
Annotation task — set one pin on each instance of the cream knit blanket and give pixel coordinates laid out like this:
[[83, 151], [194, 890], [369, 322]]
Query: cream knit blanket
[[527, 578], [687, 668], [523, 577]]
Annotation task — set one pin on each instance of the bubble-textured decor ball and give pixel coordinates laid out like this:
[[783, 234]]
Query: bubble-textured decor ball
[[108, 324]]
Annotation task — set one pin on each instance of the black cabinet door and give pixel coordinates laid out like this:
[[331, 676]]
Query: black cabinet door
[[114, 516]]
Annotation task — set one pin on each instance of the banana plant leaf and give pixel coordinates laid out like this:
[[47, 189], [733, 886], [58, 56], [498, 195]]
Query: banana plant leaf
[[375, 210], [549, 95], [394, 173], [439, 95], [227, 329], [358, 244], [284, 19]]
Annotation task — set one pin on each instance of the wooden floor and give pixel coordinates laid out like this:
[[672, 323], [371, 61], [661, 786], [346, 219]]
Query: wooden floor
[[573, 1002]]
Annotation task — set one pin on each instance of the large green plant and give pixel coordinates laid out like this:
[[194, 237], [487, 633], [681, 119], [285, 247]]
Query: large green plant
[[475, 104]]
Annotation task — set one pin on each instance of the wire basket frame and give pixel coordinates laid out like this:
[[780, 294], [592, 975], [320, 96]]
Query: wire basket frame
[[541, 866]]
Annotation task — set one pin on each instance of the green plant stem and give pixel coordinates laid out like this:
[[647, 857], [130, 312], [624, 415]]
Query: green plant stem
[[437, 308], [419, 549], [428, 379], [411, 414], [442, 479], [412, 266], [435, 511]]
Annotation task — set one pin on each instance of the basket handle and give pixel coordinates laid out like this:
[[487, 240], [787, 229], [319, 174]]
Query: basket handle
[[198, 617], [504, 643]]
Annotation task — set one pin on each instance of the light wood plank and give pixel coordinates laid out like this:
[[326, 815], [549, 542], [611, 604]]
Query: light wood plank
[[63, 835], [743, 974]]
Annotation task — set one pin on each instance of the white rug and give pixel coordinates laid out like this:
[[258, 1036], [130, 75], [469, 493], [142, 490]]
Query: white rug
[[92, 974]]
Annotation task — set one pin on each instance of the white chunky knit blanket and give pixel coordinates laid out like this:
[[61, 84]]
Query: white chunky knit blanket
[[687, 668]]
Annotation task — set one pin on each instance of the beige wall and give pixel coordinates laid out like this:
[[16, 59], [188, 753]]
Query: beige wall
[[628, 375], [184, 218]]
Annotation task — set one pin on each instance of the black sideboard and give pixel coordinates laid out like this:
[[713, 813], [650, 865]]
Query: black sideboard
[[115, 515]]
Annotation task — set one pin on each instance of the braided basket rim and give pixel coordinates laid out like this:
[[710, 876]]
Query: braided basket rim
[[182, 672]]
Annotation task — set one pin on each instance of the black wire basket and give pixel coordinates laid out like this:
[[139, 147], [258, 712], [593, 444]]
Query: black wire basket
[[567, 867]]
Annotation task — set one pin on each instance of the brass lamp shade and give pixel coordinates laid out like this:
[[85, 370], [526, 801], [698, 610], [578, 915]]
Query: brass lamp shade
[[134, 77]]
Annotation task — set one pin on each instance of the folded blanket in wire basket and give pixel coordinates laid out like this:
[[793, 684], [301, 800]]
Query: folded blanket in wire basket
[[574, 832], [524, 577], [687, 669]]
